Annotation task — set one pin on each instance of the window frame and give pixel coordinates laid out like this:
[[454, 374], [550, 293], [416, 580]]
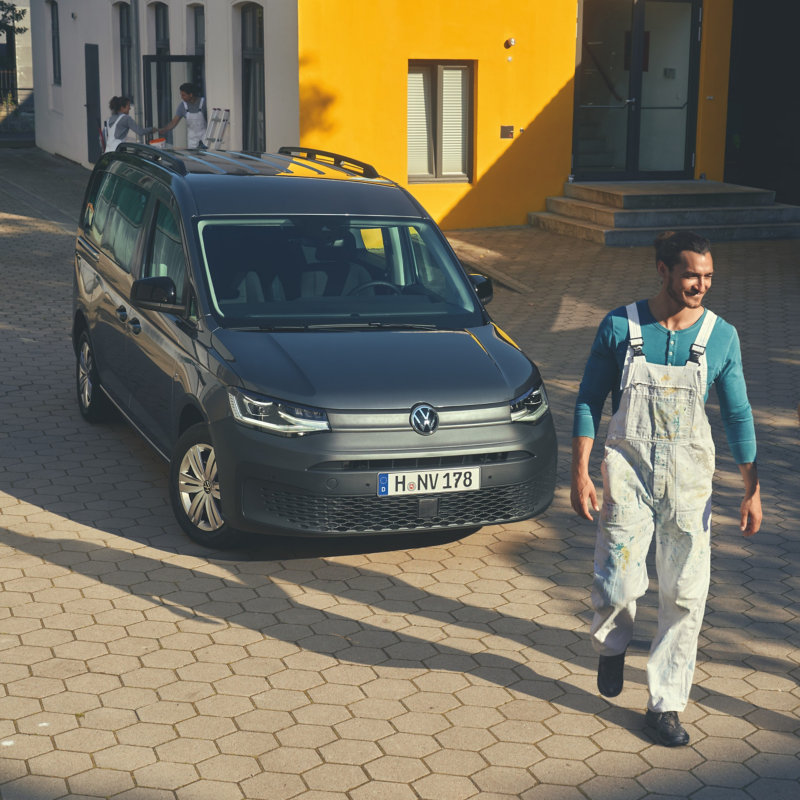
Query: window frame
[[125, 50], [199, 11], [55, 33], [436, 68]]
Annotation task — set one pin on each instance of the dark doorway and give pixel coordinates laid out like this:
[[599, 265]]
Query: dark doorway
[[162, 95], [636, 79], [94, 121], [761, 147]]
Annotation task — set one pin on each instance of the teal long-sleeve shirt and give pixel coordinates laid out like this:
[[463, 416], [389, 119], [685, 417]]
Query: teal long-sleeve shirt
[[603, 373]]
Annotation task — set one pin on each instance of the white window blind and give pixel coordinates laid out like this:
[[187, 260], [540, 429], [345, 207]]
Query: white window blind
[[454, 121], [420, 133]]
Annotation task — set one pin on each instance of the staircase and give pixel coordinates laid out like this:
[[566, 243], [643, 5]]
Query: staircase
[[631, 214]]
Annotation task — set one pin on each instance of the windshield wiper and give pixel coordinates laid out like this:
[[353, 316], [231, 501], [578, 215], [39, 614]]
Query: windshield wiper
[[276, 328], [371, 326]]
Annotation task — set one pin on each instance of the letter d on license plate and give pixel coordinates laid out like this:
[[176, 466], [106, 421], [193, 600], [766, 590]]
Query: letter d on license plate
[[435, 482]]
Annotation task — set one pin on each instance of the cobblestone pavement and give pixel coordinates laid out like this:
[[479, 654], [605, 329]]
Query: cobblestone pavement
[[136, 665]]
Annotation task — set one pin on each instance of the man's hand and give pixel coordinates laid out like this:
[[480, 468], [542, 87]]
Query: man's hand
[[582, 493], [751, 514]]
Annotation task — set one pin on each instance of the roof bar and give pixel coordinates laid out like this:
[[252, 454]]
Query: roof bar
[[153, 154], [367, 170]]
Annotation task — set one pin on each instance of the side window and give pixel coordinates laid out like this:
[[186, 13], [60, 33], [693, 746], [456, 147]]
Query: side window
[[91, 202], [121, 230], [165, 254], [97, 207]]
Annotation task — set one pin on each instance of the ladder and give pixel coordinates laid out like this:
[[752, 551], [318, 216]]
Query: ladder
[[215, 132]]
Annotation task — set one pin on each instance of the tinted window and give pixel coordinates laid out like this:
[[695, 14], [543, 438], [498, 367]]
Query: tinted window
[[331, 270], [165, 257], [97, 209], [121, 230]]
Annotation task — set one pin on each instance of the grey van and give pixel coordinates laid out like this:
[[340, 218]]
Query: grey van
[[295, 336]]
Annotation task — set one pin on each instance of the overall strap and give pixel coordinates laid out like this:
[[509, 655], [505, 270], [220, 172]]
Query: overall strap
[[635, 342], [697, 352], [185, 106], [202, 100]]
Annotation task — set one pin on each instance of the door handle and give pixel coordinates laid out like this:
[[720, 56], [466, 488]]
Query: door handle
[[122, 313], [136, 326]]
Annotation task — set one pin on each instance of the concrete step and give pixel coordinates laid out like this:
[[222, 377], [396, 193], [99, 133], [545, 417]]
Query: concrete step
[[642, 237], [667, 194], [667, 218]]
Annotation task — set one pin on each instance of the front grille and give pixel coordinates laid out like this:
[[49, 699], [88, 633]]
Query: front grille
[[381, 464], [285, 507]]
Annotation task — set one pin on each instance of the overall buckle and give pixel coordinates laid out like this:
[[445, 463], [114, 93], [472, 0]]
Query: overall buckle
[[695, 351], [636, 346]]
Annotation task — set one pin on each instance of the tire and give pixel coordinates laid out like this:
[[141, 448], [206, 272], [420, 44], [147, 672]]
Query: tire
[[194, 491], [92, 402]]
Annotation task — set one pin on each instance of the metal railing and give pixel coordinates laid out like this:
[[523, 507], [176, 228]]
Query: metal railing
[[8, 86]]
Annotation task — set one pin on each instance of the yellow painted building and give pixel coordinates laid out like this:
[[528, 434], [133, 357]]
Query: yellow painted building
[[356, 56]]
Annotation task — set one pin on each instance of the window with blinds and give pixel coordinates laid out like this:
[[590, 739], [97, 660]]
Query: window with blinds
[[439, 121]]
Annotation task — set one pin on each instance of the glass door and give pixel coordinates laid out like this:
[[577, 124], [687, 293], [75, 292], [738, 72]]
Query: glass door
[[636, 89], [163, 76]]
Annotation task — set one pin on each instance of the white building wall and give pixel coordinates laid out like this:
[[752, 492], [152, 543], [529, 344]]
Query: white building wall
[[61, 111]]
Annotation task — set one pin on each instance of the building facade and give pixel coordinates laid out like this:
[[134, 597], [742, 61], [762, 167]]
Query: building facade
[[482, 108]]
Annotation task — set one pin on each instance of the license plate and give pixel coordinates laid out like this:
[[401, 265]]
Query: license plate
[[435, 482]]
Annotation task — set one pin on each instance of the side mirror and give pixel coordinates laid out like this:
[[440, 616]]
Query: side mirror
[[156, 294], [483, 288]]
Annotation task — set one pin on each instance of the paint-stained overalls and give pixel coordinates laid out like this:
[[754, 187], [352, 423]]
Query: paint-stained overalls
[[657, 473]]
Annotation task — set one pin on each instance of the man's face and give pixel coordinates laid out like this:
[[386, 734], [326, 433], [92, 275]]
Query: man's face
[[187, 98], [690, 279]]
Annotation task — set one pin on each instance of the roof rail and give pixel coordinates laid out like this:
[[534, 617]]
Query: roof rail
[[153, 154], [367, 170]]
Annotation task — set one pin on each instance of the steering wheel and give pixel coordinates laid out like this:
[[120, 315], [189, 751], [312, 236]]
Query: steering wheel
[[357, 289]]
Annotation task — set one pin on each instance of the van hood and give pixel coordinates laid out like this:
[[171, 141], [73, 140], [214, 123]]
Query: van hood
[[379, 369]]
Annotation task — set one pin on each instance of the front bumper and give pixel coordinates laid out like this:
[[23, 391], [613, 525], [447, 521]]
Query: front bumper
[[326, 484]]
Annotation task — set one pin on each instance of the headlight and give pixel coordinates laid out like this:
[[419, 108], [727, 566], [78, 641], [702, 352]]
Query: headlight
[[531, 406], [276, 416]]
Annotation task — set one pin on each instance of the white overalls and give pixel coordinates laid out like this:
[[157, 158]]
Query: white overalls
[[111, 140], [195, 125], [657, 473]]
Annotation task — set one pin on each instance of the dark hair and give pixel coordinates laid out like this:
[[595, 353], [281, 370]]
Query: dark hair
[[117, 103], [670, 244], [189, 88]]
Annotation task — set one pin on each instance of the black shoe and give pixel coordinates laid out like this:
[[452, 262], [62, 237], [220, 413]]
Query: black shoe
[[610, 675], [669, 730]]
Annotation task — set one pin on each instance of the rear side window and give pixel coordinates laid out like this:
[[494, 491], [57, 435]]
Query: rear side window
[[96, 215], [165, 256], [121, 229]]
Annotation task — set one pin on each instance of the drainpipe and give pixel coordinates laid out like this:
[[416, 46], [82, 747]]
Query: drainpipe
[[138, 102]]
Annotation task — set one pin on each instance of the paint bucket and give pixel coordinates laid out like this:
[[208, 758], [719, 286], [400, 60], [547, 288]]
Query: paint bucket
[[158, 143]]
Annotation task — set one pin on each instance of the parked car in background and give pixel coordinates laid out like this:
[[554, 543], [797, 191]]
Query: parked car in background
[[295, 336]]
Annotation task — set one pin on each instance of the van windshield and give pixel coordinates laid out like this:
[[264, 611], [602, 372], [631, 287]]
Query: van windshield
[[303, 271]]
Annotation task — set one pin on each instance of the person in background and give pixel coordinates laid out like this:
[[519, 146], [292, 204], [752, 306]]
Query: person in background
[[193, 109], [120, 123]]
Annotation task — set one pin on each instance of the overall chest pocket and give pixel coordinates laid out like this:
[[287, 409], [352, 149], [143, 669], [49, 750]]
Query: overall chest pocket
[[660, 413]]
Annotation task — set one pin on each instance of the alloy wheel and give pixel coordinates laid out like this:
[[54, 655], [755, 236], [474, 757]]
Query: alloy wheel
[[85, 375], [199, 487]]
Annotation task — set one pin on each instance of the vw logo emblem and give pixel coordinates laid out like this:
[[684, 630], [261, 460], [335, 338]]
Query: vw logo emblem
[[424, 419]]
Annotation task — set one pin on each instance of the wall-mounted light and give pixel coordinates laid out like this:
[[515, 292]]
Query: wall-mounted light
[[509, 43], [74, 15]]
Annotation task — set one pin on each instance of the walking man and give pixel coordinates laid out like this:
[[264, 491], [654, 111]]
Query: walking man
[[657, 358]]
